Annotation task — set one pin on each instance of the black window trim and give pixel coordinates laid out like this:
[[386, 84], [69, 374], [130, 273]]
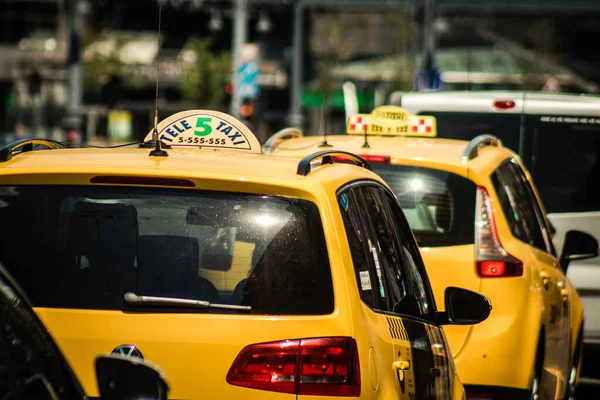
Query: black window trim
[[369, 182]]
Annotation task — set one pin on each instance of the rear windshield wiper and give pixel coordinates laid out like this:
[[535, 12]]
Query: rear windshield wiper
[[133, 299]]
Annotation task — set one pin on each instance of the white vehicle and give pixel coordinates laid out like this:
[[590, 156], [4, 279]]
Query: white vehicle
[[558, 138]]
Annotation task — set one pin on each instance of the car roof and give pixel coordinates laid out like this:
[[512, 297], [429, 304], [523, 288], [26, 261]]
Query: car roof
[[238, 159], [438, 153]]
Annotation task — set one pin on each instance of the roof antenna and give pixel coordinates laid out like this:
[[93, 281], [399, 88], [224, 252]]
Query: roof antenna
[[324, 124], [157, 151], [366, 143]]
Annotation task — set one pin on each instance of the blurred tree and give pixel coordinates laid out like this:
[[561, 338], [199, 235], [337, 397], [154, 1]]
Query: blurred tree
[[206, 79], [100, 66], [330, 50]]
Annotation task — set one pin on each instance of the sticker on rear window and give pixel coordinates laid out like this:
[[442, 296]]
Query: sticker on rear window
[[365, 280]]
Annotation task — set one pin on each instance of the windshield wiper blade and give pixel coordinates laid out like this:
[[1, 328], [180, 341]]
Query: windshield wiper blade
[[133, 299]]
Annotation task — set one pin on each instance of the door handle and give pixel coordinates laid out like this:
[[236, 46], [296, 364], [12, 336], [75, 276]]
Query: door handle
[[545, 279], [402, 365]]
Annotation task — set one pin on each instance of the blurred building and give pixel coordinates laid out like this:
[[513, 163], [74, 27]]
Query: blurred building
[[375, 43]]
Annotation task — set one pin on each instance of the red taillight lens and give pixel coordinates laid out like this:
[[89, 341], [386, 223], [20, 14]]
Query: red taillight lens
[[504, 104], [366, 157], [492, 269], [492, 260], [375, 159], [319, 367]]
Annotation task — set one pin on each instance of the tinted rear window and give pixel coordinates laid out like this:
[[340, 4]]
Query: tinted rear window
[[466, 126], [439, 206], [565, 162], [84, 248]]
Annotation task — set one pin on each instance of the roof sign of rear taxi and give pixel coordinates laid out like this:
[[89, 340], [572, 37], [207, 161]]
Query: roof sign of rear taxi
[[206, 129], [392, 121]]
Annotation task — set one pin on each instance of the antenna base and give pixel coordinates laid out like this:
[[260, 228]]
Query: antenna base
[[366, 146], [152, 144], [325, 144], [158, 153]]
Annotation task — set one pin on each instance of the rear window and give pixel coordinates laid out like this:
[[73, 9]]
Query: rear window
[[466, 126], [85, 247], [565, 162], [439, 206]]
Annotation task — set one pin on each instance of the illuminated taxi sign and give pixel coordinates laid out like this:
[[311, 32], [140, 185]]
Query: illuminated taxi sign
[[206, 129], [393, 121]]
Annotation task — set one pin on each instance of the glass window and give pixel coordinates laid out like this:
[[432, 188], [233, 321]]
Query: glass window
[[466, 126], [439, 206], [518, 205], [416, 275], [381, 254], [565, 162], [365, 255], [85, 247]]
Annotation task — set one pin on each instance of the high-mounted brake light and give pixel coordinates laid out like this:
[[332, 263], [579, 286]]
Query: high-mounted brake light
[[367, 157], [491, 258], [375, 159], [504, 104], [317, 367]]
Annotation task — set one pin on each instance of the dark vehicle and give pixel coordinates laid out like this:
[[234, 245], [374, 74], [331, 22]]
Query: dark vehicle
[[33, 367]]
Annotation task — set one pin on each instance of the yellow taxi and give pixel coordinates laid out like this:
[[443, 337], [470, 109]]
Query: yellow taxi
[[240, 275], [479, 224]]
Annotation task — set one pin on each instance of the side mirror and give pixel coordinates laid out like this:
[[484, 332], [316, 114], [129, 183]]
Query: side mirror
[[464, 307], [578, 245], [127, 378]]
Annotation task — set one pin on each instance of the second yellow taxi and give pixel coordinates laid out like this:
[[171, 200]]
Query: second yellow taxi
[[480, 224]]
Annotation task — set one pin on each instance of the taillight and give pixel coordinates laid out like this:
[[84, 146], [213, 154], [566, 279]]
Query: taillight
[[491, 258], [318, 367]]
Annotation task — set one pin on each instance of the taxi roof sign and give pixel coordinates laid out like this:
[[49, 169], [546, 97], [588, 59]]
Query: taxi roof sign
[[206, 129], [392, 121]]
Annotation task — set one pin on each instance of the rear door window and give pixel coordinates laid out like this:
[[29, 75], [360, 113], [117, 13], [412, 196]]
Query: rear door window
[[439, 205], [84, 248], [382, 255], [519, 206], [565, 161]]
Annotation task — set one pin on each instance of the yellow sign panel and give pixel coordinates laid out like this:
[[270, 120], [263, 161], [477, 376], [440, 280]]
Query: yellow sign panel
[[393, 121]]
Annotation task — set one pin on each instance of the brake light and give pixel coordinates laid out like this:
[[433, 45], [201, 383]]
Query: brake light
[[318, 367], [366, 157], [491, 258], [375, 159], [504, 104]]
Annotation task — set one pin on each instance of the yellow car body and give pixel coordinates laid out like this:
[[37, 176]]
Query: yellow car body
[[281, 343], [537, 316]]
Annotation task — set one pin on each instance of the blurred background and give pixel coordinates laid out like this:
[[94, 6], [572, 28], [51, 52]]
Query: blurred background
[[85, 70]]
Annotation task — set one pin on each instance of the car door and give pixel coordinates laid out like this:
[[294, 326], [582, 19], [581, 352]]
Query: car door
[[420, 361], [527, 225], [31, 366], [434, 362], [376, 294]]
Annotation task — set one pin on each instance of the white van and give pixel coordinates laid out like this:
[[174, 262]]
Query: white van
[[558, 138]]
